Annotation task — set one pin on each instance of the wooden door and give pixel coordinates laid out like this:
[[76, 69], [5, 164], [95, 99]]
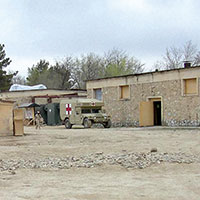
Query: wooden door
[[146, 114]]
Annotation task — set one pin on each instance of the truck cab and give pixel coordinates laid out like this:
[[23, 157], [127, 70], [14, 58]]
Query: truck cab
[[83, 112]]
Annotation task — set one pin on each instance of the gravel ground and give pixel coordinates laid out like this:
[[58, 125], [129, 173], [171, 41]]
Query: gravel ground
[[117, 163], [126, 160]]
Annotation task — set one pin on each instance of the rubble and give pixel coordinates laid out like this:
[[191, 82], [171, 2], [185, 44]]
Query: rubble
[[127, 160], [154, 150]]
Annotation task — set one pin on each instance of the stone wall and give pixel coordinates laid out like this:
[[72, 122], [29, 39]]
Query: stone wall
[[178, 110]]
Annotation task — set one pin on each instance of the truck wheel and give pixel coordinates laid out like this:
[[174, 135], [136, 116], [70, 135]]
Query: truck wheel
[[67, 124], [87, 123], [107, 124]]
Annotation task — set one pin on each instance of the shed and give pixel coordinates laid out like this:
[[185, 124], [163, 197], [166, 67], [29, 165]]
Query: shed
[[53, 114], [29, 112], [6, 117]]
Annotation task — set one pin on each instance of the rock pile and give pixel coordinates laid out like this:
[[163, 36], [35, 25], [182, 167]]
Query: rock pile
[[126, 160]]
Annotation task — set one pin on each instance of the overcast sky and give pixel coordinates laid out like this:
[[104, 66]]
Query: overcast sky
[[52, 29]]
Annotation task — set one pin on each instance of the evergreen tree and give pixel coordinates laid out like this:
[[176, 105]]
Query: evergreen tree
[[5, 79], [36, 72]]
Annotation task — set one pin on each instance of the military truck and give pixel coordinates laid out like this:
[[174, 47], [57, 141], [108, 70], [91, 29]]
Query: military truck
[[83, 112]]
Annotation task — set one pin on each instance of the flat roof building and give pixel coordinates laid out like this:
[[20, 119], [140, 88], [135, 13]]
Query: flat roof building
[[41, 96], [169, 97]]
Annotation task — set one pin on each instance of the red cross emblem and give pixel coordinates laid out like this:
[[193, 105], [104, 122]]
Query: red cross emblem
[[68, 109]]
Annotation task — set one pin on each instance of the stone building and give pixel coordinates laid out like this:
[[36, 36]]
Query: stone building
[[169, 97]]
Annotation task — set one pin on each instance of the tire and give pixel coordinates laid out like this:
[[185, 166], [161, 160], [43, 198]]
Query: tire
[[67, 124], [107, 124], [87, 123]]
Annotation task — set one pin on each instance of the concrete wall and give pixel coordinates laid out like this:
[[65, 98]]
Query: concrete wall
[[177, 108]]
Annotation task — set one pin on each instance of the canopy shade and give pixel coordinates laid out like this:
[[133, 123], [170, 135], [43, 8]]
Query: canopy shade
[[29, 105]]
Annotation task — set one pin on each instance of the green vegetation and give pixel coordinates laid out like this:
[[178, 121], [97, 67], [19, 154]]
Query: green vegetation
[[73, 72], [5, 79]]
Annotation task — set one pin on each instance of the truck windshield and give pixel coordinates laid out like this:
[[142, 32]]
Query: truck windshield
[[96, 110], [89, 110]]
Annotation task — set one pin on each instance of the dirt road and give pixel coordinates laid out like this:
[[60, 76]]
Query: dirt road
[[107, 179]]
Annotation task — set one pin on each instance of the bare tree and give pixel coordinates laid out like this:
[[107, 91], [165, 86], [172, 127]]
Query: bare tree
[[87, 67], [189, 51], [74, 72], [118, 62], [18, 79], [112, 63], [175, 56], [197, 59]]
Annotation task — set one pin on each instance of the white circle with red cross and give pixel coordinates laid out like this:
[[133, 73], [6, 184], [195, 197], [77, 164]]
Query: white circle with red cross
[[68, 109]]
